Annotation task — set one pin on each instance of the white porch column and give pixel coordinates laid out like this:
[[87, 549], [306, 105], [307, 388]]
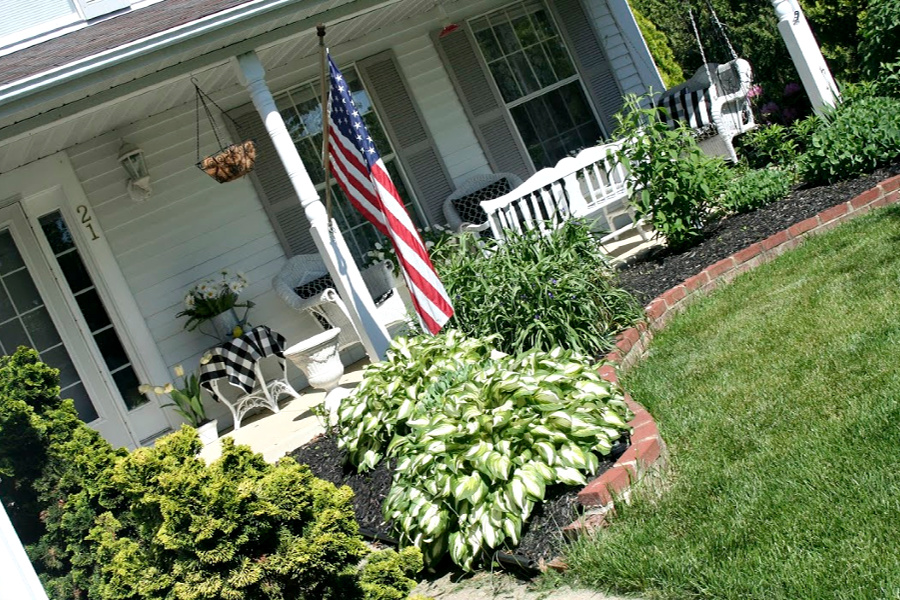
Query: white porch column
[[333, 248], [18, 576], [814, 73]]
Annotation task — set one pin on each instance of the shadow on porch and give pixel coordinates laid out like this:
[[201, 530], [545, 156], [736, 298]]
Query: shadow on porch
[[274, 435]]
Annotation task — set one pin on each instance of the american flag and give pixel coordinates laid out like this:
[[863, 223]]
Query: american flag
[[361, 173]]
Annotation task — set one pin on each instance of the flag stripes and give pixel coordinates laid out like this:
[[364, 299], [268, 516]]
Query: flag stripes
[[362, 176]]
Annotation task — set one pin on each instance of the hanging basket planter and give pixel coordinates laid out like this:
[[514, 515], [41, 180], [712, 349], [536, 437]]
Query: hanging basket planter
[[232, 161]]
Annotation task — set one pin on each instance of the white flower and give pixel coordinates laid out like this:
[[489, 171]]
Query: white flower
[[169, 388], [429, 245], [145, 388], [235, 286], [427, 229], [159, 390], [189, 301], [378, 246], [179, 371], [211, 294]]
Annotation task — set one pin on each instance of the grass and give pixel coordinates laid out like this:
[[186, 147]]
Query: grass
[[779, 399]]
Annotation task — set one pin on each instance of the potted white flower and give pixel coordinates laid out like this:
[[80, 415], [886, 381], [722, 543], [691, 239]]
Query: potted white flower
[[216, 301]]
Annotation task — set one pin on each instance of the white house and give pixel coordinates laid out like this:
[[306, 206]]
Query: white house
[[93, 278]]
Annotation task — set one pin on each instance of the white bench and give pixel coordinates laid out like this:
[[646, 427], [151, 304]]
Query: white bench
[[591, 185]]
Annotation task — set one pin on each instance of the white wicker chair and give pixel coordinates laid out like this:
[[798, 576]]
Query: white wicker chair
[[328, 306], [490, 186]]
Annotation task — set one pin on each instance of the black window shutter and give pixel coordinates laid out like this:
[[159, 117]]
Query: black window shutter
[[274, 187], [590, 59], [408, 132], [484, 107]]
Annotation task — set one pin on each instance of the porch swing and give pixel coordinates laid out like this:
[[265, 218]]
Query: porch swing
[[714, 102]]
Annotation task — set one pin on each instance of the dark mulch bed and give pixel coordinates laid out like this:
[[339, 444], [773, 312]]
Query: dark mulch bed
[[541, 539], [650, 276]]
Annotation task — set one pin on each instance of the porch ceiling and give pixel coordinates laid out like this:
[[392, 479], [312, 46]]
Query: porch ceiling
[[109, 104]]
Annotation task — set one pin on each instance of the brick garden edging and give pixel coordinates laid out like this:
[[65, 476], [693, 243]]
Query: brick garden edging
[[647, 447]]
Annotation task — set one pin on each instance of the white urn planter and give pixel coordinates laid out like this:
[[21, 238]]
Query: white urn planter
[[208, 432], [320, 361]]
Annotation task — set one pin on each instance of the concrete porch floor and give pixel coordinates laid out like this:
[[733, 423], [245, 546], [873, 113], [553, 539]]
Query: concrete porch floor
[[274, 435]]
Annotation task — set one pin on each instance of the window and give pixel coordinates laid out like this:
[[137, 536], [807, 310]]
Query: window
[[539, 84], [301, 110]]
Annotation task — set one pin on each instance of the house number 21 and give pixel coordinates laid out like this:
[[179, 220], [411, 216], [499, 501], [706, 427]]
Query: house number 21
[[86, 221]]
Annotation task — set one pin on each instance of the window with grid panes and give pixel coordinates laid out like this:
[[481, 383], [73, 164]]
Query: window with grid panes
[[537, 79], [301, 110]]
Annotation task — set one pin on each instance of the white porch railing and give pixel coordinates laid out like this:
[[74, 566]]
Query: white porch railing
[[593, 184]]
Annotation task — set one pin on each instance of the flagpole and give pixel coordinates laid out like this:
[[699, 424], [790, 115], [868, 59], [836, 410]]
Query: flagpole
[[323, 51]]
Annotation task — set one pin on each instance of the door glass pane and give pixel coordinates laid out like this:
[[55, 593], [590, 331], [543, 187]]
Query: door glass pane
[[74, 271], [40, 329], [12, 335], [59, 358], [7, 310], [83, 405], [22, 291], [31, 325], [9, 254], [92, 310]]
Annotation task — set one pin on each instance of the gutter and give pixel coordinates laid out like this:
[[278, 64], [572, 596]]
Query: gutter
[[210, 24]]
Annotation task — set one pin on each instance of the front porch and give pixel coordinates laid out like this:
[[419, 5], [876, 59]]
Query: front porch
[[274, 435]]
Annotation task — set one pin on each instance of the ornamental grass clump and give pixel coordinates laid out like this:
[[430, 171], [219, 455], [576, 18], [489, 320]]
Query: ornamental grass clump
[[537, 291], [478, 436]]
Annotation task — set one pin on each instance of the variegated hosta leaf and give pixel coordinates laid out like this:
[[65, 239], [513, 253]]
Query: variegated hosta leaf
[[478, 436]]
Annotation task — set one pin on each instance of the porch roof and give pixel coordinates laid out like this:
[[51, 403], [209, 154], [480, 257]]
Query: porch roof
[[47, 112], [107, 35]]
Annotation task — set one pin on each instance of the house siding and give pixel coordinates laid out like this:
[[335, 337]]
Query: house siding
[[617, 51], [190, 228], [441, 109]]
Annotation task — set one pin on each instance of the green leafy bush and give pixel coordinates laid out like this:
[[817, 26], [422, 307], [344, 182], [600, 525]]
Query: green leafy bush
[[880, 29], [675, 182], [857, 137], [537, 291], [478, 436], [769, 145], [756, 188]]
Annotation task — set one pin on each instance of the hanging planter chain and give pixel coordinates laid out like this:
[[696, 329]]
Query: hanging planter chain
[[233, 160]]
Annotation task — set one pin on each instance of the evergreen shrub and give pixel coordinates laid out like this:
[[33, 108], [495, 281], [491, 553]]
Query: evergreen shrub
[[105, 524]]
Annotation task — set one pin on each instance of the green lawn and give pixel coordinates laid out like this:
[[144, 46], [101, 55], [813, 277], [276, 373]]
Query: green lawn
[[779, 398]]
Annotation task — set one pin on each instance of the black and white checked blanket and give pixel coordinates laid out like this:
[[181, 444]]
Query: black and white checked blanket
[[236, 359], [692, 107]]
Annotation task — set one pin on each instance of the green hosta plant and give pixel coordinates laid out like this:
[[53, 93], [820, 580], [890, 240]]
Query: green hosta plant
[[478, 436]]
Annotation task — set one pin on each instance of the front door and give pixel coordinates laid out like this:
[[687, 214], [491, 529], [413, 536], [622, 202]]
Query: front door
[[49, 301]]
